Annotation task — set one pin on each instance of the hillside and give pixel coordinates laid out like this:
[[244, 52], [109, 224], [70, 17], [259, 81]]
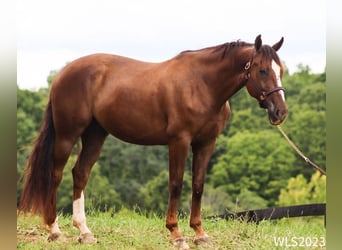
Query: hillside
[[127, 230]]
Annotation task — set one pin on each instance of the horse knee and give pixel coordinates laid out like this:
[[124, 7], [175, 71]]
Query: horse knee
[[197, 195], [175, 188], [197, 190]]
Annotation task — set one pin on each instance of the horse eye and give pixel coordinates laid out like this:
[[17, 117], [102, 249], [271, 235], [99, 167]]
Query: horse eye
[[263, 72]]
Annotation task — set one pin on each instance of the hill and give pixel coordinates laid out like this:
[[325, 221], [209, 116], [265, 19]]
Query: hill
[[136, 230]]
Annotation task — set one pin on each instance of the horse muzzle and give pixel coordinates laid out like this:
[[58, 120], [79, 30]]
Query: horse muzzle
[[276, 115]]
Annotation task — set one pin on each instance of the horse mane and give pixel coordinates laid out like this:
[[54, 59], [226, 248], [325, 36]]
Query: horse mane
[[224, 48]]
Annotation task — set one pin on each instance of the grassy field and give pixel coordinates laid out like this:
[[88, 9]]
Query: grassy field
[[131, 230]]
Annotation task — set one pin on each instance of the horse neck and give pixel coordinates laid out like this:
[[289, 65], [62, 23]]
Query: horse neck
[[226, 76]]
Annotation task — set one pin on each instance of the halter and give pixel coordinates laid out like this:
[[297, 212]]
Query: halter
[[260, 92]]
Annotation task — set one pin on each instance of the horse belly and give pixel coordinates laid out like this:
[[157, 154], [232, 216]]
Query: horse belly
[[134, 123], [141, 137]]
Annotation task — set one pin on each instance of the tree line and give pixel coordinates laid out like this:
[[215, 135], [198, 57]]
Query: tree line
[[252, 166]]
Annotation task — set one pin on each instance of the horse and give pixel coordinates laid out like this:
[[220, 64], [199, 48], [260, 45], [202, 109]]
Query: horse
[[181, 102]]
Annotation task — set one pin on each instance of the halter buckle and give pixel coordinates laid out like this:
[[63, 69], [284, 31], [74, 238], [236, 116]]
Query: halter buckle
[[248, 65]]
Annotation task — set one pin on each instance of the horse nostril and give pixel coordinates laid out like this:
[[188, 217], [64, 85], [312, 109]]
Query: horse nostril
[[280, 113]]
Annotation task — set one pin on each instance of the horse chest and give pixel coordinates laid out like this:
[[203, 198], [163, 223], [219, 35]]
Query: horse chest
[[211, 128], [207, 125]]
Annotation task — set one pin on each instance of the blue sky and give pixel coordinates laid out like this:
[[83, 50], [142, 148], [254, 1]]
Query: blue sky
[[51, 33]]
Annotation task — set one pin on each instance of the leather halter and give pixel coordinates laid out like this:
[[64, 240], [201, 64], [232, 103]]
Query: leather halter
[[262, 94]]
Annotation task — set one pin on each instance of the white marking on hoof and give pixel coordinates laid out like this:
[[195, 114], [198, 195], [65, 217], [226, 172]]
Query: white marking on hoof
[[180, 243]]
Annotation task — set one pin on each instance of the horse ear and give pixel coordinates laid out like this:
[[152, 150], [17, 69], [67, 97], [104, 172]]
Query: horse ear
[[277, 46], [258, 42]]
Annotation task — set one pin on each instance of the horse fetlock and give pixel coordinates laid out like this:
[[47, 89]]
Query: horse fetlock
[[78, 223], [55, 232], [196, 225], [172, 226]]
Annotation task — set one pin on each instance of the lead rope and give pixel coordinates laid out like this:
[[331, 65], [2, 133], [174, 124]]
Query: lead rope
[[300, 152]]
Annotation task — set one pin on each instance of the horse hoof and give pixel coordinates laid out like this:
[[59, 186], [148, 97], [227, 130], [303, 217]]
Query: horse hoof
[[87, 238], [54, 237], [203, 240], [180, 243]]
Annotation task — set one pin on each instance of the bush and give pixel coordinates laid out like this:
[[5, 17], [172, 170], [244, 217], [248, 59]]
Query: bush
[[299, 191]]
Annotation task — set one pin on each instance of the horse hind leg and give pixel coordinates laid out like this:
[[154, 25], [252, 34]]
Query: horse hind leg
[[92, 141], [62, 149]]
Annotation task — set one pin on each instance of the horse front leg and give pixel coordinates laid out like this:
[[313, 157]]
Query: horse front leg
[[201, 157], [178, 151]]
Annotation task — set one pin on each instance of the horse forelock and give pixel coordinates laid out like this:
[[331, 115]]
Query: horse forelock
[[270, 54]]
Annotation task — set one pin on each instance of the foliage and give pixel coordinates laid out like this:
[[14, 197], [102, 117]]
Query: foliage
[[249, 167], [154, 193], [98, 193], [300, 191], [258, 162], [248, 200], [216, 201], [30, 109]]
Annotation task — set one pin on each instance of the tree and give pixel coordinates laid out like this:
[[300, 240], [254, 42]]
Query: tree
[[99, 194], [154, 194], [248, 200], [30, 110], [300, 191], [129, 167], [216, 201], [258, 162], [306, 124]]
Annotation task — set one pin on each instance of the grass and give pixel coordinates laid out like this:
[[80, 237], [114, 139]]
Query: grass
[[132, 230]]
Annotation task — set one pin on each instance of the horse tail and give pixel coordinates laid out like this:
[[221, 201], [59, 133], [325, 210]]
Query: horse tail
[[37, 195]]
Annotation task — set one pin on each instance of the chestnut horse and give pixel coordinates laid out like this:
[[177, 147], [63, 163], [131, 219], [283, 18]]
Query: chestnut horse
[[182, 103]]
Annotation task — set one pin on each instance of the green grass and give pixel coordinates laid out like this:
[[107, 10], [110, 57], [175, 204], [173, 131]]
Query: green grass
[[131, 230]]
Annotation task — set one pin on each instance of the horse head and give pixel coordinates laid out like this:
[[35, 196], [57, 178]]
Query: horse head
[[264, 74]]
